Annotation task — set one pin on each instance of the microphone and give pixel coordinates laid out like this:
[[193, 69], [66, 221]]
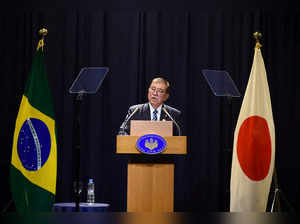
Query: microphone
[[177, 126], [122, 128]]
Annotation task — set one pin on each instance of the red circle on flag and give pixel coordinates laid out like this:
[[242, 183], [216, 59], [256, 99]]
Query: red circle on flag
[[254, 148]]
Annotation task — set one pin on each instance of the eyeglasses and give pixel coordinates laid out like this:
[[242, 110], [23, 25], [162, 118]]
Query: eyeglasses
[[158, 90]]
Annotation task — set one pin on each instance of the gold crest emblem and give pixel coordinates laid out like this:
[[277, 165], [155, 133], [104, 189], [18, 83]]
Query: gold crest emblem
[[151, 144]]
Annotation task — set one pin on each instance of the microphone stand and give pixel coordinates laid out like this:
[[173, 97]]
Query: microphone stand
[[177, 126], [123, 126], [78, 101]]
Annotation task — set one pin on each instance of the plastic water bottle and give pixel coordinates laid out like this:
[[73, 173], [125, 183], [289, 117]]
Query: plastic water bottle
[[91, 191]]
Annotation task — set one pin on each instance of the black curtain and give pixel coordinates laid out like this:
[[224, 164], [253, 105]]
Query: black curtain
[[138, 45]]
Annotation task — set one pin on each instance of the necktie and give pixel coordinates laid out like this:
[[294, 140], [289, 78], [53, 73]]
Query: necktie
[[154, 115]]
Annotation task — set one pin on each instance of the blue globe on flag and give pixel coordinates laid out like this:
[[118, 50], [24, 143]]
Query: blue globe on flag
[[34, 144]]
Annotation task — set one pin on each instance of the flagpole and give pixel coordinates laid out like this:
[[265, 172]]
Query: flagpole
[[277, 192], [33, 172], [41, 43], [275, 202]]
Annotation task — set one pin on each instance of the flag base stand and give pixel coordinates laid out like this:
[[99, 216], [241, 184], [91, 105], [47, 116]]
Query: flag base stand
[[6, 207], [278, 195]]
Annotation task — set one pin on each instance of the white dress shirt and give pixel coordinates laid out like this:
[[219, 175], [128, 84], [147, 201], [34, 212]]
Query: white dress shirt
[[158, 112]]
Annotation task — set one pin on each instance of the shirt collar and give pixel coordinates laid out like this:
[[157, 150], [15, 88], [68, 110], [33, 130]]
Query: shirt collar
[[152, 108]]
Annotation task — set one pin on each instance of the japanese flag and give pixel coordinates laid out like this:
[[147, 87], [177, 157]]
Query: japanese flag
[[254, 144]]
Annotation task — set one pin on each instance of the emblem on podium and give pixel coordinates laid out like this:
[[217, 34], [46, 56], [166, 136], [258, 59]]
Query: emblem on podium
[[151, 144]]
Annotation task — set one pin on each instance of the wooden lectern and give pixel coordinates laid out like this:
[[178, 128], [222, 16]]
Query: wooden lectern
[[150, 186]]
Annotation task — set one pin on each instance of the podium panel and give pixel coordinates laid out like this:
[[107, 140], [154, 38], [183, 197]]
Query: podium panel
[[140, 127], [150, 187], [127, 145]]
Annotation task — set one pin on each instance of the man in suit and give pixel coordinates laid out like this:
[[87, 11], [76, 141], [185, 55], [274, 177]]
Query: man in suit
[[155, 109]]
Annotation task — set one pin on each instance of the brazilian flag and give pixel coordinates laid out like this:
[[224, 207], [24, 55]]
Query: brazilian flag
[[34, 157]]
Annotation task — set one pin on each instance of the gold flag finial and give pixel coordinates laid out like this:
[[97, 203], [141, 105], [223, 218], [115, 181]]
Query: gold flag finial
[[257, 36], [43, 32]]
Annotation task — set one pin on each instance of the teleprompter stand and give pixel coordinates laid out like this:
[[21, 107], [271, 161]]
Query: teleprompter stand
[[88, 81], [222, 85]]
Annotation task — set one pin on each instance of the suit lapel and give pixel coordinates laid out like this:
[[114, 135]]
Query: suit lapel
[[146, 112]]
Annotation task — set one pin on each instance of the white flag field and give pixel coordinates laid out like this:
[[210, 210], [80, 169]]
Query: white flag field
[[254, 144]]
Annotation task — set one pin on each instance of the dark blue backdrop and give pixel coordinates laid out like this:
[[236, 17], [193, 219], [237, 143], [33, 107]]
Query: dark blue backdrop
[[139, 40]]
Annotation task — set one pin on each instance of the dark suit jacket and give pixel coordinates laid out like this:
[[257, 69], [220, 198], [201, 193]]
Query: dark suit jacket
[[143, 113]]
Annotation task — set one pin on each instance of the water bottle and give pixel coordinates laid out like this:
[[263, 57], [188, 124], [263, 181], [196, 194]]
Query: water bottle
[[91, 192]]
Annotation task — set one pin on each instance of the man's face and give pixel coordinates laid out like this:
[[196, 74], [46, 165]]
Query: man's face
[[157, 94]]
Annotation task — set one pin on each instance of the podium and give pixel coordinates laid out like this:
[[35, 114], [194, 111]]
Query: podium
[[150, 185]]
